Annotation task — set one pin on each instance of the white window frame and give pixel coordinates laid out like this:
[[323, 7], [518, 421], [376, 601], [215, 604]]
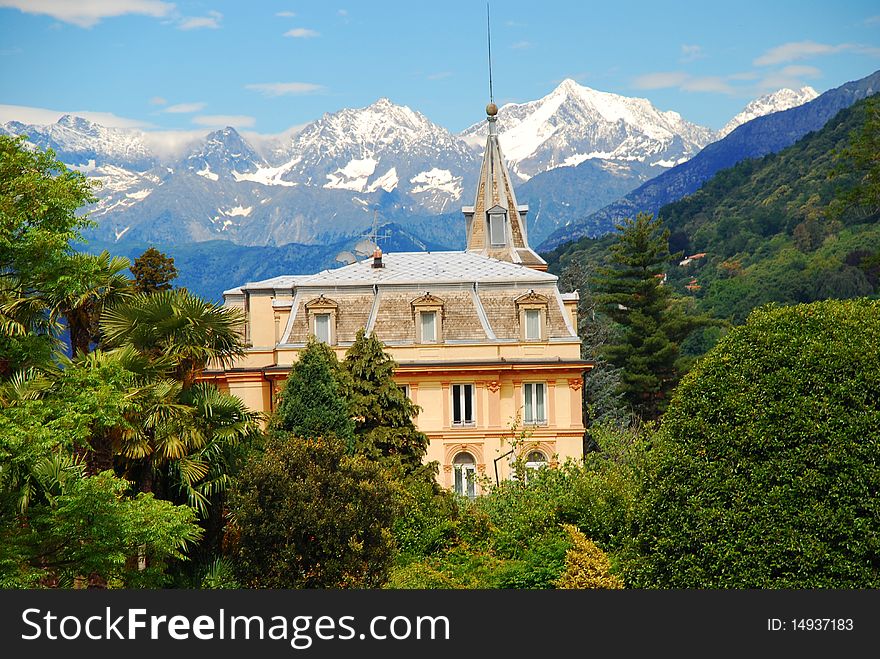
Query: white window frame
[[536, 314], [497, 219], [422, 317], [461, 395], [329, 320], [530, 402], [464, 479]]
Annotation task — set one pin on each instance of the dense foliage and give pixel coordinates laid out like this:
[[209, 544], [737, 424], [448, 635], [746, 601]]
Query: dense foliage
[[309, 515], [765, 469]]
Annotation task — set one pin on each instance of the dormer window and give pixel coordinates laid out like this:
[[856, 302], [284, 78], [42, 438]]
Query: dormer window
[[497, 225], [321, 316], [532, 310], [428, 316], [322, 327]]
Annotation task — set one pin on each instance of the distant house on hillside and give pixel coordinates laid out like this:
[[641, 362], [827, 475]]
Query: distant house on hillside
[[483, 337]]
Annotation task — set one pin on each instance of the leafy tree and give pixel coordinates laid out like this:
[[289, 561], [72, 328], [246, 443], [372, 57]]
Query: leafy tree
[[309, 515], [89, 528], [632, 293], [764, 471], [153, 271], [39, 198], [384, 427], [862, 155], [313, 402], [586, 566]]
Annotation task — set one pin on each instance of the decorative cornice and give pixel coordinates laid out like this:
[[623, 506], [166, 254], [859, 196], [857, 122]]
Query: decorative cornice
[[532, 298], [427, 300], [321, 302]]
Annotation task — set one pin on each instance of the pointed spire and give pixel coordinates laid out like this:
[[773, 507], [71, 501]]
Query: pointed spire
[[496, 224]]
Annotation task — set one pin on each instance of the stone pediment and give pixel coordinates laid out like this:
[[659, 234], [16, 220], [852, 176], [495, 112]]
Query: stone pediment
[[532, 298], [321, 302], [427, 300]]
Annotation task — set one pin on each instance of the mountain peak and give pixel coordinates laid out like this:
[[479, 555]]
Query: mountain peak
[[781, 99]]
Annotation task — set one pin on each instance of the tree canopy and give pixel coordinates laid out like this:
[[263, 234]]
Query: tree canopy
[[765, 469]]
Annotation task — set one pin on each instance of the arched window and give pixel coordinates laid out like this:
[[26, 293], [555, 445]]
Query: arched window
[[465, 469], [535, 461]]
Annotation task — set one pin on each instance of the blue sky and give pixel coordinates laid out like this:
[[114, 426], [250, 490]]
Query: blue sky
[[265, 66]]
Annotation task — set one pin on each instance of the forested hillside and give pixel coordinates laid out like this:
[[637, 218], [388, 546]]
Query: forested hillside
[[776, 229]]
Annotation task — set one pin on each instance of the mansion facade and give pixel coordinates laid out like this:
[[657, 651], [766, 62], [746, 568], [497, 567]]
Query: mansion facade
[[483, 338]]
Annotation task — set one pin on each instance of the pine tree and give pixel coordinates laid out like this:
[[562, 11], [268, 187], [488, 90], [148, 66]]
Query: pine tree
[[632, 293], [153, 271], [313, 402], [384, 427]]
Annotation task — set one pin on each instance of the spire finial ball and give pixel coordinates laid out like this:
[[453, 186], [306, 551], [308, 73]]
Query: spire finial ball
[[491, 109]]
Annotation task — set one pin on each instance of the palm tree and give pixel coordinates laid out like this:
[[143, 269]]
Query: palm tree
[[89, 284], [178, 325]]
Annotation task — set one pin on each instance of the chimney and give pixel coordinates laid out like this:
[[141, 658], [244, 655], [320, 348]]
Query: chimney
[[377, 258]]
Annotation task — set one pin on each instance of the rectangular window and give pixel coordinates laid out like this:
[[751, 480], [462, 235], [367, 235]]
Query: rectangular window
[[429, 326], [405, 389], [533, 324], [322, 327], [496, 228], [462, 404], [534, 394]]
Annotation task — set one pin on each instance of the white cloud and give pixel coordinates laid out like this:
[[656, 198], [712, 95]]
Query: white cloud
[[185, 108], [661, 80], [34, 115], [689, 53], [223, 120], [440, 76], [301, 33], [286, 14], [273, 89], [791, 77], [684, 82], [521, 45], [86, 13], [211, 21], [172, 143], [795, 50], [158, 100]]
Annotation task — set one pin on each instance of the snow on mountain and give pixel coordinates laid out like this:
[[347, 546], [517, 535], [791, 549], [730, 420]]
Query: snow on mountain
[[574, 123], [382, 146], [782, 99], [222, 153], [77, 141]]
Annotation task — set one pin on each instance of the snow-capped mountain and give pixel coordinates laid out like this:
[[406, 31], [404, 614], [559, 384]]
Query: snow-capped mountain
[[782, 99], [83, 143], [327, 181], [574, 123], [380, 147], [223, 154]]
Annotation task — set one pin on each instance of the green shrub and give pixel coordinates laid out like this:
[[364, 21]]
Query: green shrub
[[765, 471]]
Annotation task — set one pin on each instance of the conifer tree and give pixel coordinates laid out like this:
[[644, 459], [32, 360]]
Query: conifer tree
[[384, 427], [632, 293], [153, 271], [313, 402]]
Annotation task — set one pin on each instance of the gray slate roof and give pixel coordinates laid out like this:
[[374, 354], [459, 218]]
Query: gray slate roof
[[403, 268]]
